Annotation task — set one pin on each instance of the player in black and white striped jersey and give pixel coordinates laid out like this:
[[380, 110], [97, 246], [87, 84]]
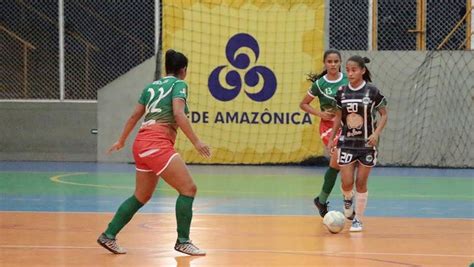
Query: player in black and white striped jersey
[[357, 103]]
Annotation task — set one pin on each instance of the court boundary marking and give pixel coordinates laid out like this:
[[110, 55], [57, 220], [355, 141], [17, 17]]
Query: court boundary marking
[[222, 214], [301, 252], [172, 213], [57, 179]]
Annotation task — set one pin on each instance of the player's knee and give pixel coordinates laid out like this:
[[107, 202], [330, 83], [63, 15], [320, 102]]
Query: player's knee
[[346, 185], [189, 190], [143, 197], [361, 186]]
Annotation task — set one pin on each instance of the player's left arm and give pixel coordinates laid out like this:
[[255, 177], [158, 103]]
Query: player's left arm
[[380, 103], [374, 137], [129, 125]]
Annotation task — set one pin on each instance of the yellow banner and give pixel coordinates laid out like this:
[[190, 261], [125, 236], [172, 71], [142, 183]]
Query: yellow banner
[[248, 62]]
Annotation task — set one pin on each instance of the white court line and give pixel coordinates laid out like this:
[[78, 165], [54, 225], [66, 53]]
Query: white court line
[[57, 179], [161, 213], [248, 251], [219, 214], [303, 216]]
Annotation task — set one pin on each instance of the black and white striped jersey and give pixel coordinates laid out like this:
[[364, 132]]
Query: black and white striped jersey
[[359, 107]]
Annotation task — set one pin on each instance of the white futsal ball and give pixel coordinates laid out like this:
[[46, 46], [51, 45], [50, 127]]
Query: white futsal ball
[[334, 221]]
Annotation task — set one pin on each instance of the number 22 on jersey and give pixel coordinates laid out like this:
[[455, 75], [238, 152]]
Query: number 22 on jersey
[[151, 107]]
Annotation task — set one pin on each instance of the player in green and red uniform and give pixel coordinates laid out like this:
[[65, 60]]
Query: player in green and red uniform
[[357, 103], [324, 87], [164, 103]]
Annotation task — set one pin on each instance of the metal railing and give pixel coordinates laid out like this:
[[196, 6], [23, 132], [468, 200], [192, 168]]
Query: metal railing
[[455, 28], [26, 47]]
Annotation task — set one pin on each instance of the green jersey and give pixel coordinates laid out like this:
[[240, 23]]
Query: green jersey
[[158, 97], [326, 91]]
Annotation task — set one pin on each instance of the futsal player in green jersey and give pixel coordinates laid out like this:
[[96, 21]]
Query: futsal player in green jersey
[[324, 87], [164, 103], [357, 103]]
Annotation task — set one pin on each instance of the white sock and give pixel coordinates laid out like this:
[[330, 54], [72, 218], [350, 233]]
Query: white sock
[[361, 203], [347, 194]]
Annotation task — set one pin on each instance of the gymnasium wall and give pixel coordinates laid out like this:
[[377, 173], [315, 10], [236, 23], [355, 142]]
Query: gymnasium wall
[[116, 103], [48, 131], [430, 110]]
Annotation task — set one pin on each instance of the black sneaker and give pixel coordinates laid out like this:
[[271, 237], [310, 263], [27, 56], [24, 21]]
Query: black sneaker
[[110, 244], [323, 208]]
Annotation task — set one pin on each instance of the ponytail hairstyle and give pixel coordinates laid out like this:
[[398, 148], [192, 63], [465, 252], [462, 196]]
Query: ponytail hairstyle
[[314, 76], [174, 61], [362, 61]]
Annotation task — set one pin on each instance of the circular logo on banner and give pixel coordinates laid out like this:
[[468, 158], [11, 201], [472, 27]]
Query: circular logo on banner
[[256, 75]]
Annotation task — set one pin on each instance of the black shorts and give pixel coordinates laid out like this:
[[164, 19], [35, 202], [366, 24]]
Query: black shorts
[[366, 157]]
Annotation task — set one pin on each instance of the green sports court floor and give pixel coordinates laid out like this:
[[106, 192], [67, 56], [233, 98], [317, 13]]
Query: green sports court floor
[[263, 190]]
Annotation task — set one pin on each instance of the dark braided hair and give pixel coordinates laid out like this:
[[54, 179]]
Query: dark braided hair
[[174, 61], [314, 76], [362, 61]]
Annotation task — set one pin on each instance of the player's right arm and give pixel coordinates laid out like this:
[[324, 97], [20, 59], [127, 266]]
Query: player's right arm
[[305, 105], [337, 119], [183, 123], [131, 122], [335, 128]]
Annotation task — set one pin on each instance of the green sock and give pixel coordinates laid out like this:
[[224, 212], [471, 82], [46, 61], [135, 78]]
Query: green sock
[[329, 181], [123, 215], [184, 214]]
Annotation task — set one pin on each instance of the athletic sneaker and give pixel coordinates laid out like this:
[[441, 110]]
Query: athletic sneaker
[[323, 208], [348, 209], [110, 244], [189, 248], [356, 225]]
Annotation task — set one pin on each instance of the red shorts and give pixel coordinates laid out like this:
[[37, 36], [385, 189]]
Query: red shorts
[[152, 156], [325, 131], [153, 148]]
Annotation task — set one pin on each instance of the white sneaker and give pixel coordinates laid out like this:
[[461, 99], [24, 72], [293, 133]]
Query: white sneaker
[[349, 212], [189, 248], [356, 226], [110, 244]]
